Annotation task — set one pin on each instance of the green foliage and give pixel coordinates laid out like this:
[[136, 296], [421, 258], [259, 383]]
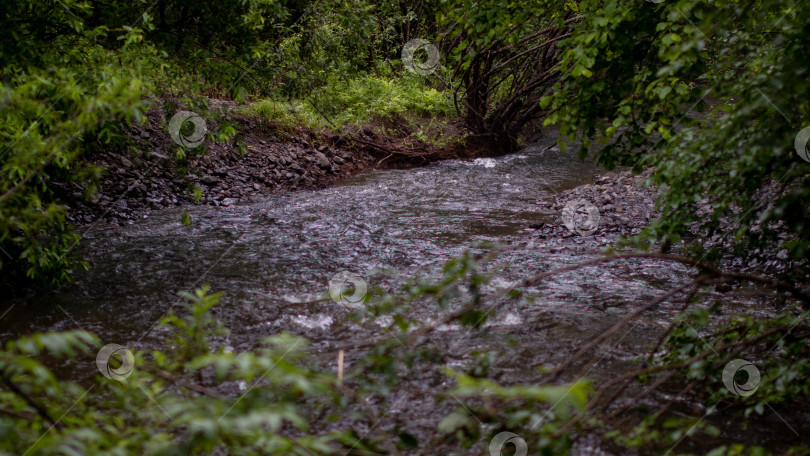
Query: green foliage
[[535, 413], [706, 356], [185, 218], [664, 435], [503, 59], [197, 396], [191, 332], [710, 94], [74, 77], [56, 102], [634, 70], [152, 411], [355, 102]]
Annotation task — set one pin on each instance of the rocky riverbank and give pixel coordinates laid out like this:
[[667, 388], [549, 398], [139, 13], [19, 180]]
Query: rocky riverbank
[[261, 159], [623, 207]]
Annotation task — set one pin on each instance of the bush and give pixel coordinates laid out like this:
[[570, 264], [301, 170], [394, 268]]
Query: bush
[[51, 115], [633, 70], [357, 101]]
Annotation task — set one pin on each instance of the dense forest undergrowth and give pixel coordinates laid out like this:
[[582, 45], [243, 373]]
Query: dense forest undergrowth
[[112, 107]]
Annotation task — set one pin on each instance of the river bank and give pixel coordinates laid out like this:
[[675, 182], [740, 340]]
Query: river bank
[[264, 159], [150, 171], [624, 206], [261, 159]]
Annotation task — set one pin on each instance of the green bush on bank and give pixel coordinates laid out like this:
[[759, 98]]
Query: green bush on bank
[[632, 69], [49, 117], [356, 101]]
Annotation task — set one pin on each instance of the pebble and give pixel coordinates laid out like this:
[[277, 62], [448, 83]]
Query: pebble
[[209, 180]]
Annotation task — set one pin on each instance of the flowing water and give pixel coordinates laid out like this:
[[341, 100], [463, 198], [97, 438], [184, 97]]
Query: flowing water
[[273, 259]]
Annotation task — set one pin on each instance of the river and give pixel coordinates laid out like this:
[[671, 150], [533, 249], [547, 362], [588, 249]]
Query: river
[[273, 259]]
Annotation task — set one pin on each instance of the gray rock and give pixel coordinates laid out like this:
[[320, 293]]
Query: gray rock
[[209, 180], [323, 162]]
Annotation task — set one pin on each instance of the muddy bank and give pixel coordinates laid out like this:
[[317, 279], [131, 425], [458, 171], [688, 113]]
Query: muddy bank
[[147, 173]]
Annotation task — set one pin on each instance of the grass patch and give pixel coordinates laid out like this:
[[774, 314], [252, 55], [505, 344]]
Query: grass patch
[[357, 101]]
